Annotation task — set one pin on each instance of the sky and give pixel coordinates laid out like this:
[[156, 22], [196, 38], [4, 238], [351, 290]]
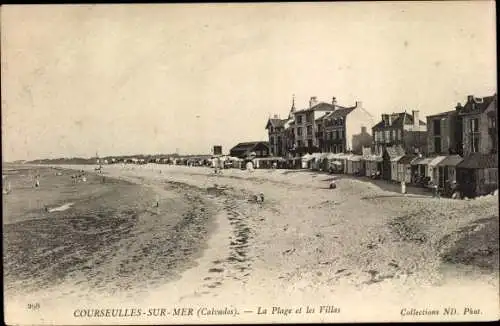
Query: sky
[[130, 79]]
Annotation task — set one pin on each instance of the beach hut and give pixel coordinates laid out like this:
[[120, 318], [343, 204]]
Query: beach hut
[[354, 164], [390, 156], [420, 168], [315, 161], [235, 161], [267, 162], [404, 168], [326, 159], [305, 160], [433, 168], [477, 174], [373, 164], [394, 167], [335, 164], [447, 170]]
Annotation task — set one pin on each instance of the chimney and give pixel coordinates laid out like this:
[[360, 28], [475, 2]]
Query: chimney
[[416, 118], [385, 118], [459, 106], [470, 98], [334, 101], [276, 116], [313, 101], [359, 105], [363, 130]]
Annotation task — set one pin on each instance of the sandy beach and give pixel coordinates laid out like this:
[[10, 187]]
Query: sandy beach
[[355, 246]]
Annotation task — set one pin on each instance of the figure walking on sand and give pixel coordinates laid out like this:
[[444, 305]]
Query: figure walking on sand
[[37, 181]]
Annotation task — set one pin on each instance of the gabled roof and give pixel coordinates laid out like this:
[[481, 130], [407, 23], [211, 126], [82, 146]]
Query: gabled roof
[[340, 112], [276, 123], [321, 106], [401, 118], [249, 145], [442, 114], [477, 105], [451, 160], [406, 159], [479, 161], [395, 151]]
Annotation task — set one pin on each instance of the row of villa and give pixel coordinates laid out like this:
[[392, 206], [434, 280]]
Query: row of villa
[[456, 146]]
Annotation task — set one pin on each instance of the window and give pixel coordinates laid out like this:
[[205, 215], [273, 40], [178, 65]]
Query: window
[[309, 117], [299, 143], [271, 140], [399, 135], [309, 143], [299, 131], [492, 123], [436, 127], [341, 134], [393, 136], [341, 148], [437, 145], [309, 130], [330, 135], [473, 125], [299, 119], [387, 136], [474, 143]]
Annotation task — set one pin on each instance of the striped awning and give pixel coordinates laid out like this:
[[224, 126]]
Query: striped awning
[[355, 158], [452, 160], [435, 161], [422, 161], [397, 158]]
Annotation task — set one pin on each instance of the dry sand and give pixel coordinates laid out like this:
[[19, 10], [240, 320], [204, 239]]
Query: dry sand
[[367, 251]]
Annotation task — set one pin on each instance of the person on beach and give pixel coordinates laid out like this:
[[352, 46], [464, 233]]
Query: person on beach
[[435, 189], [37, 181]]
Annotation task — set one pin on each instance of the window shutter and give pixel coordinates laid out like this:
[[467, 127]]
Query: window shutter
[[444, 135]]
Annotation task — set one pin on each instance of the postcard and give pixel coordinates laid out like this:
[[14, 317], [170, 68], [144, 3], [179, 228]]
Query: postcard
[[235, 163]]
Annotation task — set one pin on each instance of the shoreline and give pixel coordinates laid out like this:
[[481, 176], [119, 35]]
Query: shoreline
[[190, 232]]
